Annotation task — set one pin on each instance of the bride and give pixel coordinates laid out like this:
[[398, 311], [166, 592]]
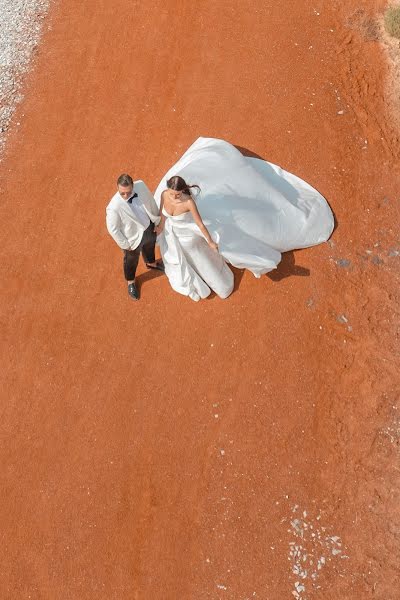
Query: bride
[[191, 259], [246, 212]]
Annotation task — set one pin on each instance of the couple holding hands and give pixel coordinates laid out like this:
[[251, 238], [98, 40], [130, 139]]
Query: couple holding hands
[[213, 207]]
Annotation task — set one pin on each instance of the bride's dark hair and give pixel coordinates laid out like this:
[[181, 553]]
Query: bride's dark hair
[[178, 184]]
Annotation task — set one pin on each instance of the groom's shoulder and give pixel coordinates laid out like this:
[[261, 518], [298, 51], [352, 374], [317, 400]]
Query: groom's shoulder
[[114, 202]]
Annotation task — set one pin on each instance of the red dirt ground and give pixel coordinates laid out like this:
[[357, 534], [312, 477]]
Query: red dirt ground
[[157, 450]]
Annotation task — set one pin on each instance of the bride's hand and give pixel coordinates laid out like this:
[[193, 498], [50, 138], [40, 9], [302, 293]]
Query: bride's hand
[[213, 245], [158, 229]]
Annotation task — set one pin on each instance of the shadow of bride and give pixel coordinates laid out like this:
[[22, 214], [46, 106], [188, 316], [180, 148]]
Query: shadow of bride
[[237, 274], [288, 268], [247, 152]]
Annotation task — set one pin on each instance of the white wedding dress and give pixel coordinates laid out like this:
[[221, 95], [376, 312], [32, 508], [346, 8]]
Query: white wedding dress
[[254, 210], [192, 267]]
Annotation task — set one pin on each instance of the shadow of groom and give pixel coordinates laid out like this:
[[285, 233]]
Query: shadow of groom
[[148, 275]]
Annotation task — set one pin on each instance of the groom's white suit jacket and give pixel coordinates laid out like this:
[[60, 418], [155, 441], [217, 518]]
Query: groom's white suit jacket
[[122, 225]]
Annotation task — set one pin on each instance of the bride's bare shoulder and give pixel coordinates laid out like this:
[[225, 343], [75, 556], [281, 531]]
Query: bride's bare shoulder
[[190, 201]]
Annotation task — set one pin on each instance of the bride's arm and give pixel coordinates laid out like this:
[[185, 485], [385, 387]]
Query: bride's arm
[[199, 222], [160, 225]]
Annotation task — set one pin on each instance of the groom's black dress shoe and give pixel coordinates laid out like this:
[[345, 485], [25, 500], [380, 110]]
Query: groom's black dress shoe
[[133, 291]]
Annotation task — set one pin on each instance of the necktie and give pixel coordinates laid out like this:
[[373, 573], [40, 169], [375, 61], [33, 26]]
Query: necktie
[[131, 198]]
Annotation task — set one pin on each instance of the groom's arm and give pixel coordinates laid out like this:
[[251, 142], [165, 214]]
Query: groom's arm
[[113, 223], [149, 202]]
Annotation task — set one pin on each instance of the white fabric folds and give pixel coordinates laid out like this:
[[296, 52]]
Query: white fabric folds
[[255, 209]]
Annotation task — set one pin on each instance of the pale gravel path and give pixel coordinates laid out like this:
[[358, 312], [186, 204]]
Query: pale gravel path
[[21, 23]]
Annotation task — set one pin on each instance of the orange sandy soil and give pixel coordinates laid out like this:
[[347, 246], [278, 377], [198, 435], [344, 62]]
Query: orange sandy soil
[[157, 450]]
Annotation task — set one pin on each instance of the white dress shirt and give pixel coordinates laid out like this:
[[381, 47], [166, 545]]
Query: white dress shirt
[[139, 212]]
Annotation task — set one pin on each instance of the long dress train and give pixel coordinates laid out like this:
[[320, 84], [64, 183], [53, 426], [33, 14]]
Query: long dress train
[[254, 209]]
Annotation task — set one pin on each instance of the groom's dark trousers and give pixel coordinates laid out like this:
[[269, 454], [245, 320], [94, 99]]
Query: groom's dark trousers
[[146, 247]]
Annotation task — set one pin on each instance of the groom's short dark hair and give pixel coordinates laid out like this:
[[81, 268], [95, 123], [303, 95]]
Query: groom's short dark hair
[[124, 180]]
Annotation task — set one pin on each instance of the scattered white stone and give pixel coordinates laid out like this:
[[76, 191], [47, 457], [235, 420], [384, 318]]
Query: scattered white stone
[[20, 31], [392, 431], [342, 319], [310, 550]]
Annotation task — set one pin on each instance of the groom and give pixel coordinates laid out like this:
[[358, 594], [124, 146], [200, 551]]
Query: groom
[[131, 216]]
